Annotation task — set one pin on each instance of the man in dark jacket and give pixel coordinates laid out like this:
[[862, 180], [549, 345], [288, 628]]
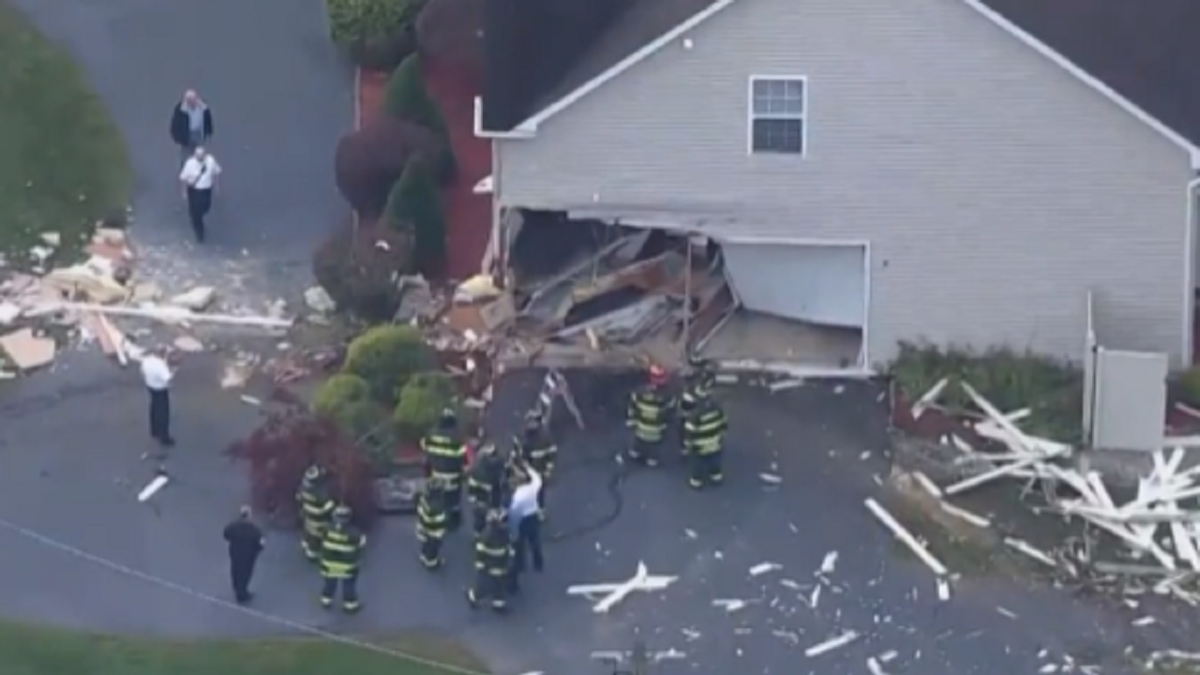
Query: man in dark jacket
[[191, 123], [245, 541]]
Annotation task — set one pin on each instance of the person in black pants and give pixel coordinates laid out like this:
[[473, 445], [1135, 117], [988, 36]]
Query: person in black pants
[[157, 374], [198, 178], [245, 541]]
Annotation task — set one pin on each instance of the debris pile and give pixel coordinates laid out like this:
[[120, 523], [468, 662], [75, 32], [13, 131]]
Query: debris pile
[[632, 301], [1156, 531], [81, 300]]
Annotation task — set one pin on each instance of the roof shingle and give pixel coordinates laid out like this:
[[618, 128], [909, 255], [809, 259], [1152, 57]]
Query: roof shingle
[[1148, 51]]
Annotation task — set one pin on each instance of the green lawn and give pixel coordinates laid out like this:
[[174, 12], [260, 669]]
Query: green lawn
[[40, 651], [63, 164]]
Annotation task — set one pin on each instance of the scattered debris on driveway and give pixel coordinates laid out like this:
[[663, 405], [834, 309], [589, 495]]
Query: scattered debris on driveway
[[614, 593], [79, 301], [1145, 542]]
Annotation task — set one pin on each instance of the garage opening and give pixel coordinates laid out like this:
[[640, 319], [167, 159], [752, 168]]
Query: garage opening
[[592, 291], [798, 303]]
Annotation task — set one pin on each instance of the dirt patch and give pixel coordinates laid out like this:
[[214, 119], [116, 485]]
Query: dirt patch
[[964, 548]]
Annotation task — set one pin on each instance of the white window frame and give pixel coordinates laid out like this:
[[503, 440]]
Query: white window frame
[[802, 117]]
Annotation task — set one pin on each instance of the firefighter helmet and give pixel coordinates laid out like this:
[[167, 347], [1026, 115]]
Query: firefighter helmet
[[657, 375]]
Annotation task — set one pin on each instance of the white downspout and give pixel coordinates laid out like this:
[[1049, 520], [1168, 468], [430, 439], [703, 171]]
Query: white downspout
[[1189, 287]]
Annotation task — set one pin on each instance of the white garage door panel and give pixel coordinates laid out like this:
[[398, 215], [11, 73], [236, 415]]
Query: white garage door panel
[[821, 284]]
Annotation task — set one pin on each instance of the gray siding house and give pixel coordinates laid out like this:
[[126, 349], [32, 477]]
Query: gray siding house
[[959, 171]]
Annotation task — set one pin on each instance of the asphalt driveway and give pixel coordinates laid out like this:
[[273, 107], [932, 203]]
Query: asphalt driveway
[[280, 95], [76, 485]]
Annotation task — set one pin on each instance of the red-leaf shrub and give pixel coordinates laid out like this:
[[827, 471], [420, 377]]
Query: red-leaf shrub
[[357, 268], [369, 161], [289, 441], [451, 31]]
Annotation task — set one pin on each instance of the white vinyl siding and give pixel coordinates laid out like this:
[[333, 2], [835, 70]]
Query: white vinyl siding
[[995, 189]]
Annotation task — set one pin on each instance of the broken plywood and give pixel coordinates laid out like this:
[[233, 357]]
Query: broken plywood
[[27, 351]]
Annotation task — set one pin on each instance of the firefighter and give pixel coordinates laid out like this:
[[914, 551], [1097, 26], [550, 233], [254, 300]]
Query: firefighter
[[649, 407], [703, 438], [485, 479], [316, 508], [446, 459], [432, 522], [697, 386], [537, 449], [493, 563], [341, 553]]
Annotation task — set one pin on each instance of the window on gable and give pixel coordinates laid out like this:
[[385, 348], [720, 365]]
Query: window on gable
[[777, 115]]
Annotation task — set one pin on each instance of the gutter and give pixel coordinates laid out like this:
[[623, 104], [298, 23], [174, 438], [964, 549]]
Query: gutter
[[480, 132]]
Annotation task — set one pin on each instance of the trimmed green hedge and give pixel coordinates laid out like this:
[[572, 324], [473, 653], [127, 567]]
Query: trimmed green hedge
[[386, 357]]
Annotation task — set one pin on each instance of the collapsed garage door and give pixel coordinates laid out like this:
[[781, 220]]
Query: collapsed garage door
[[818, 284]]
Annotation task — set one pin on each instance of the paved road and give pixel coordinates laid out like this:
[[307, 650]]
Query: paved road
[[281, 98], [79, 488]]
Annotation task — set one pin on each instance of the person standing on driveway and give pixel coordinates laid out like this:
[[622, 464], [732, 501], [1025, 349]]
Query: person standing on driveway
[[191, 123], [157, 374], [199, 180], [525, 523], [245, 541]]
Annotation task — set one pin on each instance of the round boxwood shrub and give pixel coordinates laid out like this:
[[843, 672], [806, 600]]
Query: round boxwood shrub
[[415, 205], [422, 401], [357, 267], [361, 26], [386, 357], [338, 392]]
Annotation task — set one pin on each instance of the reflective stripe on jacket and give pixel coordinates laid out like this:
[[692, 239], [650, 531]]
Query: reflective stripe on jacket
[[493, 551], [431, 518], [447, 456], [648, 414], [341, 551]]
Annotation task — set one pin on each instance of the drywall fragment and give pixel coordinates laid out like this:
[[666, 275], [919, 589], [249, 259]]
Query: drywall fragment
[[943, 589], [51, 238], [763, 568], [160, 481], [770, 478], [251, 400], [27, 351], [829, 562], [831, 644], [318, 300], [729, 604], [197, 299], [9, 312], [187, 343]]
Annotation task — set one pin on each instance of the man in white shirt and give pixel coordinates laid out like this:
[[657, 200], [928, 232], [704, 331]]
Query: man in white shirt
[[157, 374], [525, 522], [198, 179]]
